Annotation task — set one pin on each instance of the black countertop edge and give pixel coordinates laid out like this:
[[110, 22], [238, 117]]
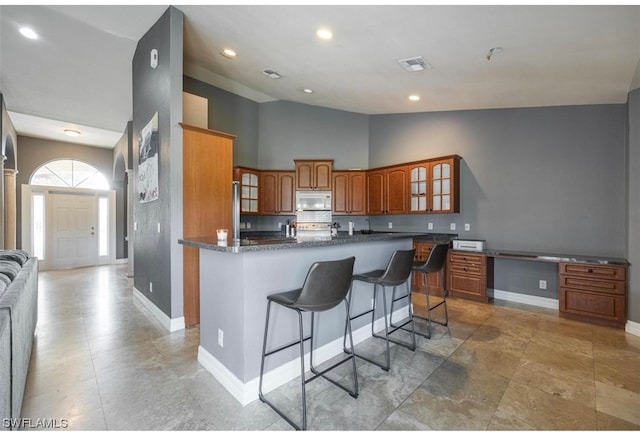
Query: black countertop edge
[[555, 257], [279, 242]]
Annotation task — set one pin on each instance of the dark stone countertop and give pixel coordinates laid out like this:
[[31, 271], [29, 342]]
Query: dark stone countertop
[[555, 257], [259, 241]]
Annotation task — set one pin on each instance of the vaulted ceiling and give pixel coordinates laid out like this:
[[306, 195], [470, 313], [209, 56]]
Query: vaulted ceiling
[[78, 72]]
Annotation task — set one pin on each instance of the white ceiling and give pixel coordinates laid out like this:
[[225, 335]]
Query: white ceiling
[[79, 72]]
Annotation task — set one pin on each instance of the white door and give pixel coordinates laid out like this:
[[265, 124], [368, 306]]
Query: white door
[[74, 230]]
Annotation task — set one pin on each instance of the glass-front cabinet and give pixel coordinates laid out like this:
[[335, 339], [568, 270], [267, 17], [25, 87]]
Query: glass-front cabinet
[[418, 182], [249, 189], [434, 186]]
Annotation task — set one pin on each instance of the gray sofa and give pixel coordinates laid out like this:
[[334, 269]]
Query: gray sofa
[[18, 318]]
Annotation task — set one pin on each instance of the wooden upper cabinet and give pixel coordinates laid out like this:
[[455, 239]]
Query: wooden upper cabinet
[[349, 193], [313, 174], [249, 189], [387, 190], [434, 186], [277, 192]]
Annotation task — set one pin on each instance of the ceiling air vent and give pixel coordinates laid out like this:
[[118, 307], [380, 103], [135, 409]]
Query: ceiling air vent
[[414, 64], [271, 73]]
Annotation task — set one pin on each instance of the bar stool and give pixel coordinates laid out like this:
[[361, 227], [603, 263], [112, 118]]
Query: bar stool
[[325, 286], [397, 273], [433, 264]]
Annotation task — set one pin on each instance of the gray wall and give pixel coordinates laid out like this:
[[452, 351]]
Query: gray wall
[[33, 152], [291, 131], [232, 114], [540, 179], [633, 206], [547, 179], [158, 256]]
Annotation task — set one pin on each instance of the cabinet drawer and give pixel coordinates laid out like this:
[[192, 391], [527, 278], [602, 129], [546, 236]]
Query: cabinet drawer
[[595, 271], [422, 250], [607, 307], [467, 268], [466, 259], [467, 283], [602, 286]]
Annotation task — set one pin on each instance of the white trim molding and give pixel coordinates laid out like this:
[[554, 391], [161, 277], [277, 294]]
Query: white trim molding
[[247, 392], [633, 328], [170, 324], [524, 299]]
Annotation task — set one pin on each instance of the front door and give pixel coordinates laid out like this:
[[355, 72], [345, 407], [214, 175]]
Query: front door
[[74, 230]]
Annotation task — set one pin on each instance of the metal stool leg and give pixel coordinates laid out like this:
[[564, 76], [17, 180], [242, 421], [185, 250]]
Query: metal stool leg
[[303, 382], [413, 330]]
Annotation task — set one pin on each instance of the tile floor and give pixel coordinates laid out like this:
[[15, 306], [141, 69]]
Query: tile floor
[[102, 362]]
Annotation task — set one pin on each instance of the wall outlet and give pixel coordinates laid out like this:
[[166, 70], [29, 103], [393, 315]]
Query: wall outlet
[[430, 225], [135, 226], [542, 284], [452, 226], [220, 338], [279, 225], [150, 286], [158, 227], [467, 227], [248, 224], [242, 225], [390, 224]]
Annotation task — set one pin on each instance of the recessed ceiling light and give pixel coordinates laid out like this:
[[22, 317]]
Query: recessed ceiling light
[[324, 33], [72, 132], [307, 90], [414, 97], [28, 33], [228, 53]]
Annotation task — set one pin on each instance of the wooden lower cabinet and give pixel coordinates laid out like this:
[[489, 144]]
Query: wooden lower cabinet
[[595, 293], [468, 274]]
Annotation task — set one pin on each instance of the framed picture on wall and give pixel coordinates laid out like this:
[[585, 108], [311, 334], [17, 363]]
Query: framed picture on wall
[[148, 161]]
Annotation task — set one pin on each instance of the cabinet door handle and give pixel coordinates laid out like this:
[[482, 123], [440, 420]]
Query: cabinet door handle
[[590, 270]]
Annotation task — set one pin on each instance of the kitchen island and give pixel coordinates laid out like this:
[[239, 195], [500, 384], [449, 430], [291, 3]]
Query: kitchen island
[[235, 282]]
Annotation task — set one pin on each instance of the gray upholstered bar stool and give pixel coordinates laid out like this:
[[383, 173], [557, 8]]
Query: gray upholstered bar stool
[[433, 264], [325, 286], [397, 273]]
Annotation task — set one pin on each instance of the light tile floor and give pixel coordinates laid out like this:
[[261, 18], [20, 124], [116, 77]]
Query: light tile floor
[[102, 362]]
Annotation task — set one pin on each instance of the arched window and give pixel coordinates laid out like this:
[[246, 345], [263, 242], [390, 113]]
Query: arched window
[[69, 173]]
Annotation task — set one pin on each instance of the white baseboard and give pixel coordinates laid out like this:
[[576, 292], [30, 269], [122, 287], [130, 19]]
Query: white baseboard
[[524, 299], [168, 323], [247, 392], [121, 260], [633, 328]]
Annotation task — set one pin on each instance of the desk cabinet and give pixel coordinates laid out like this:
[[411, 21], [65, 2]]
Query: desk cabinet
[[594, 293], [468, 274]]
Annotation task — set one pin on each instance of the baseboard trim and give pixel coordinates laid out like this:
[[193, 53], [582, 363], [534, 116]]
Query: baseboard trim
[[524, 299], [121, 261], [247, 392], [170, 324], [633, 328]]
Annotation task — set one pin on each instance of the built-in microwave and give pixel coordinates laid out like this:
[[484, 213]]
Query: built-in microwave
[[312, 200]]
